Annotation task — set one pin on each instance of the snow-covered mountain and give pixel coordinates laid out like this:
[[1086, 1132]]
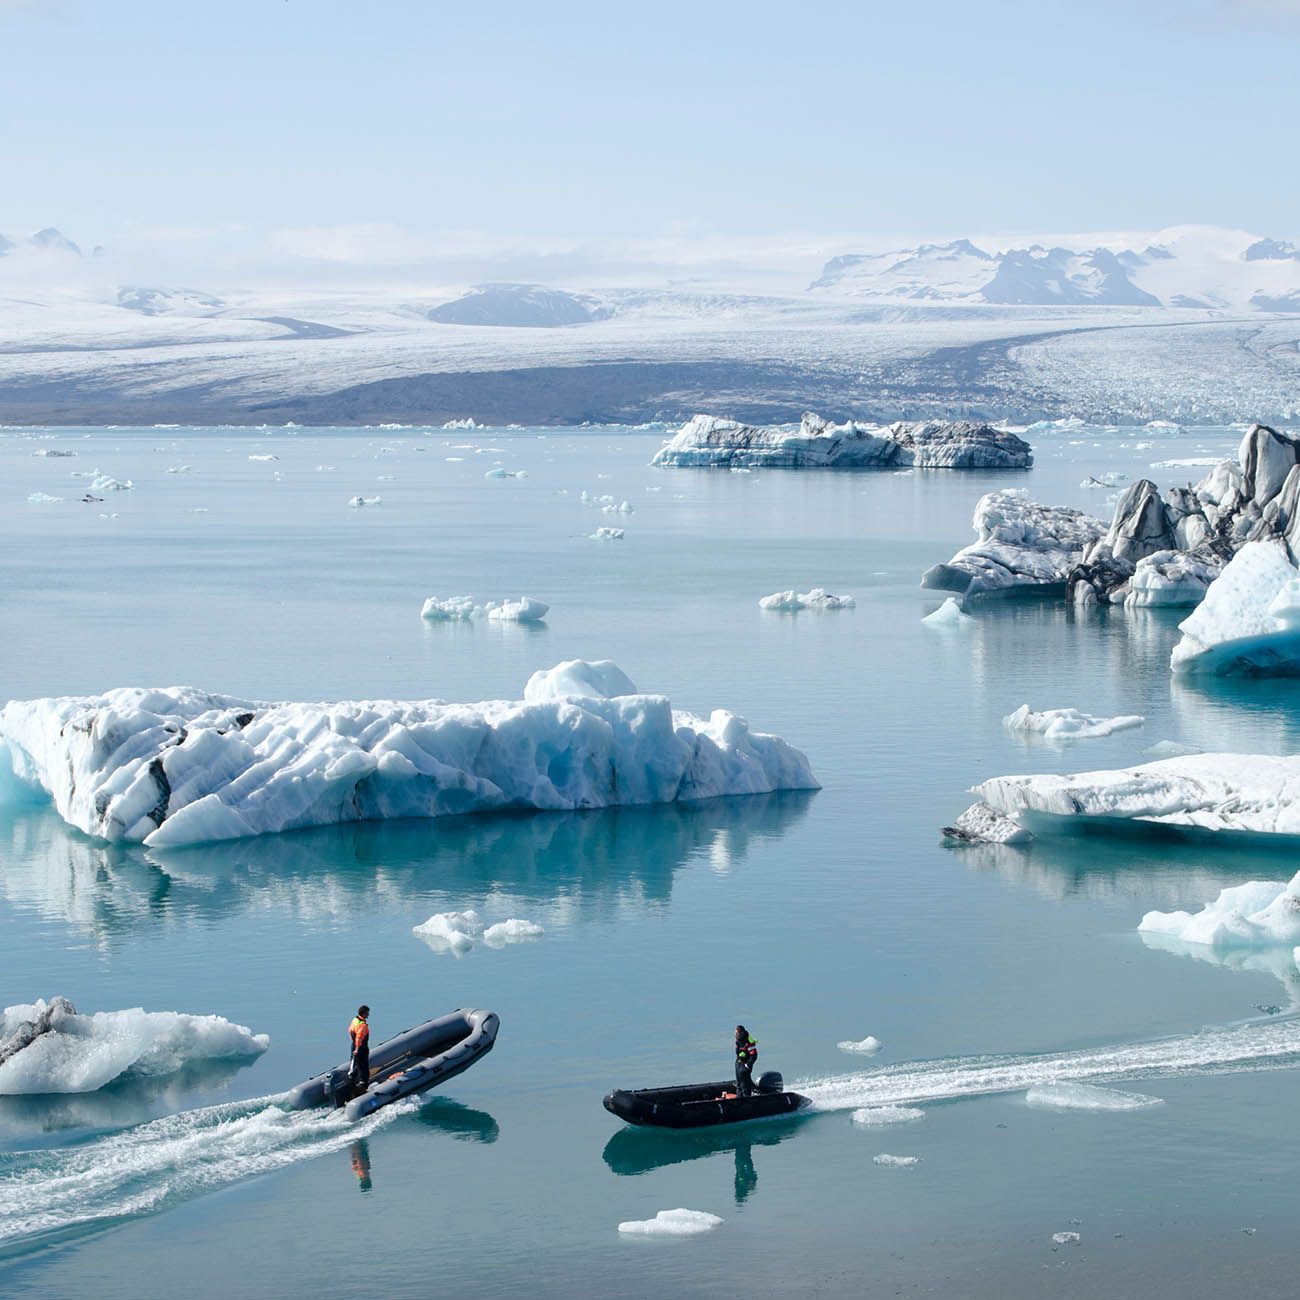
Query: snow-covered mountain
[[49, 240], [1186, 266], [519, 305]]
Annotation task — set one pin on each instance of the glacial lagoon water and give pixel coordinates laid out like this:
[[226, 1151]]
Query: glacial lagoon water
[[812, 918]]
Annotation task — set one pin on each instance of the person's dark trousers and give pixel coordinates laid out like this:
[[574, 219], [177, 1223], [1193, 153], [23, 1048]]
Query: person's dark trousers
[[359, 1074], [744, 1084]]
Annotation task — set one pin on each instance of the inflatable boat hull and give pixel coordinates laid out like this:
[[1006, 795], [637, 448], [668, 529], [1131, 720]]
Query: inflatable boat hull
[[696, 1105], [414, 1061]]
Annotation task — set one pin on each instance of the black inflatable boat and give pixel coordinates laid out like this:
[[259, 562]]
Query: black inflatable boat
[[412, 1061], [695, 1105]]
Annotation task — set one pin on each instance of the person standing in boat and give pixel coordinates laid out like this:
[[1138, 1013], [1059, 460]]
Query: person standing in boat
[[746, 1055], [359, 1033]]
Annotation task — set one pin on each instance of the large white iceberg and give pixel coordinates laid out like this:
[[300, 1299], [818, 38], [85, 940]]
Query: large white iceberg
[[1249, 621], [1256, 793], [1019, 545], [82, 1053], [707, 440], [182, 766]]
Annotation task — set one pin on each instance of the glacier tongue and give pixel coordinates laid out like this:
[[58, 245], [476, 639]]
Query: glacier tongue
[[181, 766]]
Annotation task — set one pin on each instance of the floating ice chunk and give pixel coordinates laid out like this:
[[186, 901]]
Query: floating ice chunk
[[980, 824], [1258, 793], [54, 451], [466, 423], [623, 508], [1169, 579], [607, 535], [82, 1053], [453, 609], [181, 469], [43, 499], [1068, 724], [499, 471], [1066, 1238], [896, 1162], [1249, 621], [884, 1116], [1087, 1096], [524, 610], [867, 1046], [949, 614], [1188, 462], [600, 679], [107, 483], [358, 501], [1109, 480], [1258, 913], [789, 602], [453, 932], [514, 930], [182, 766], [263, 456], [671, 1223]]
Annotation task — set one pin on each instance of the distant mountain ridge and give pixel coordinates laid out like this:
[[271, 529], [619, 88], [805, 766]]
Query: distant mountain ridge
[[1187, 266]]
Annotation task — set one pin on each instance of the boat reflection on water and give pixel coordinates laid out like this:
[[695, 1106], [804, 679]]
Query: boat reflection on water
[[633, 1151], [359, 1155], [454, 1118]]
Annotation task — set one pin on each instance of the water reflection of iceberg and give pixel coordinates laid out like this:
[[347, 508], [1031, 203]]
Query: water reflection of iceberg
[[634, 1151], [1275, 960], [584, 864]]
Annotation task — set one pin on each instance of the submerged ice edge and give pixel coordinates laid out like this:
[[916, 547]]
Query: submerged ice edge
[[140, 1170], [1254, 1045]]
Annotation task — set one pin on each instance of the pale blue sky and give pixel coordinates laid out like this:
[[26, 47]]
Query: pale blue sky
[[280, 121]]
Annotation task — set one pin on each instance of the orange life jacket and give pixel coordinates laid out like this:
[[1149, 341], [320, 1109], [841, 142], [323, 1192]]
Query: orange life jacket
[[359, 1033]]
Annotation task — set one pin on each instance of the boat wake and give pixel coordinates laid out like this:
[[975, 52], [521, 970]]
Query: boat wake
[[1251, 1046], [48, 1195]]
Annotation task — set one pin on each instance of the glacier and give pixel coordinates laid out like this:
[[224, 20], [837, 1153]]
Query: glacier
[[180, 766], [708, 441], [1252, 793]]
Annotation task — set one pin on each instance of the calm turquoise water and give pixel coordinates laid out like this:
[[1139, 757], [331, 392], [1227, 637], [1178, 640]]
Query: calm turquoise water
[[812, 918]]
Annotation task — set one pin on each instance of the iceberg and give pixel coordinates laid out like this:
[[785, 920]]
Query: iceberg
[[1259, 913], [524, 610], [867, 1046], [107, 483], [980, 824], [1252, 793], [1067, 724], [1170, 579], [671, 1223], [358, 501], [949, 615], [453, 609], [458, 932], [74, 1053], [1249, 621], [790, 602], [1020, 546], [706, 441], [456, 609], [607, 535], [180, 766]]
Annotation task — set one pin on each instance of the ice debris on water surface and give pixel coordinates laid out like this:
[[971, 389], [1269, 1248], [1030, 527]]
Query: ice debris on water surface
[[183, 766], [949, 615], [896, 1162], [790, 602], [867, 1046], [671, 1223], [885, 1116], [1065, 1238], [457, 932], [1067, 724]]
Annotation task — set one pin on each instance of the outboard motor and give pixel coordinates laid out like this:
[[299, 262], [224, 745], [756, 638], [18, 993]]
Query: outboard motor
[[770, 1081]]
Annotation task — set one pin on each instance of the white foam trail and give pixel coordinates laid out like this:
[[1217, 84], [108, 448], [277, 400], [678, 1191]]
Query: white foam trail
[[150, 1166], [1255, 1045]]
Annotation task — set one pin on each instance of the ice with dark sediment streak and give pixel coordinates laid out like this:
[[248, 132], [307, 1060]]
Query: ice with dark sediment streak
[[707, 440], [181, 766]]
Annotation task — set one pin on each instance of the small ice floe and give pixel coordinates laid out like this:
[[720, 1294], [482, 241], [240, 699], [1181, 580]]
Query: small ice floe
[[867, 1046], [671, 1223], [884, 1116], [1068, 724], [181, 469], [622, 508], [453, 460], [1111, 480], [458, 932], [607, 535], [1065, 1238], [895, 1162], [524, 610], [107, 483], [1260, 913], [980, 824], [1086, 1096], [43, 499], [46, 1047], [263, 456], [949, 614], [500, 471], [466, 423], [53, 451], [358, 501], [789, 602], [452, 609]]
